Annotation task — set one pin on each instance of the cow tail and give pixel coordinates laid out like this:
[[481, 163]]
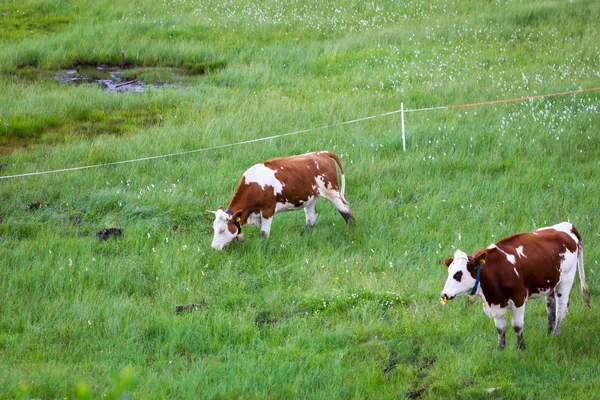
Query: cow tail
[[584, 288], [339, 163]]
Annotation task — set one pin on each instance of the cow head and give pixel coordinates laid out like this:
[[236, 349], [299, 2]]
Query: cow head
[[226, 227], [461, 271]]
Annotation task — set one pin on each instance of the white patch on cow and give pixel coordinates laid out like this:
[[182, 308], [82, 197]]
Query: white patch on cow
[[493, 310], [518, 315], [540, 292], [254, 219], [491, 246], [317, 164], [311, 212], [285, 207], [222, 235], [565, 227], [515, 269], [453, 288], [265, 227], [568, 265], [331, 194], [264, 176], [511, 259], [520, 252]]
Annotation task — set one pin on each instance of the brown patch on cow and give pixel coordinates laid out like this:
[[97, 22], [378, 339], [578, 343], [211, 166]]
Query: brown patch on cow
[[106, 234], [458, 276]]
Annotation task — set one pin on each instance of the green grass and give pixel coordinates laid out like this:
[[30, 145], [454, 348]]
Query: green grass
[[335, 313]]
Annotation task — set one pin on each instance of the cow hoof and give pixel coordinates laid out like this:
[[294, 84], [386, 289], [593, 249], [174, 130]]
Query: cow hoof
[[522, 346], [348, 217], [264, 234]]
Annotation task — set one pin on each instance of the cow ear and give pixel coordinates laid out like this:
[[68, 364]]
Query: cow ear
[[221, 208], [448, 261], [212, 212], [480, 259], [237, 216]]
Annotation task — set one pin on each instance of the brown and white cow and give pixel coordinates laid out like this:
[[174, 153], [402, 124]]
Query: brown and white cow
[[281, 184], [519, 267]]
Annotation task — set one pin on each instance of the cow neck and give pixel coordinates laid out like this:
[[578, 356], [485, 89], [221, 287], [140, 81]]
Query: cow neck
[[477, 279], [236, 222]]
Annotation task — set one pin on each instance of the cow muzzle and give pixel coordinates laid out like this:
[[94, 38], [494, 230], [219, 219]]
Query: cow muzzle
[[444, 298], [217, 246]]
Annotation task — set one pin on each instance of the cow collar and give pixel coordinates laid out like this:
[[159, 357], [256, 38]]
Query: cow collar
[[476, 280], [237, 222]]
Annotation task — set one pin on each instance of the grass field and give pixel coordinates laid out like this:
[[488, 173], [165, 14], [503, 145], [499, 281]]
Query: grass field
[[334, 313]]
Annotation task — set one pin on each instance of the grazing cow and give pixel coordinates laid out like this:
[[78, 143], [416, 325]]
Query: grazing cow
[[519, 267], [281, 184]]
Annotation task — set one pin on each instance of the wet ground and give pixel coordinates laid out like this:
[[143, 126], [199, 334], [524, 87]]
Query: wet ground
[[109, 77]]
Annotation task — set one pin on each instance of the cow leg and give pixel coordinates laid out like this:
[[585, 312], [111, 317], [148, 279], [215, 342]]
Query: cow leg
[[311, 214], [562, 290], [340, 204], [500, 323], [518, 321], [551, 310], [562, 305], [265, 227]]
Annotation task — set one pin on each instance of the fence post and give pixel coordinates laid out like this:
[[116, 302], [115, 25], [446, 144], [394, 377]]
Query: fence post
[[403, 134]]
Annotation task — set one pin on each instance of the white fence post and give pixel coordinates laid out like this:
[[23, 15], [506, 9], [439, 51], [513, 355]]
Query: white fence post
[[403, 134]]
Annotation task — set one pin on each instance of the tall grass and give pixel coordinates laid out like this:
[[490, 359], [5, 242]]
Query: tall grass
[[335, 313]]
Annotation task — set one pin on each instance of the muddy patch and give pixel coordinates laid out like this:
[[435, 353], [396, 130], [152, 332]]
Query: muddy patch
[[181, 309], [110, 78], [265, 318], [423, 380], [128, 78], [106, 234], [36, 205]]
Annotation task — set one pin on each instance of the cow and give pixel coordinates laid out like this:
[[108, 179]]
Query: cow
[[281, 184], [519, 267]]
